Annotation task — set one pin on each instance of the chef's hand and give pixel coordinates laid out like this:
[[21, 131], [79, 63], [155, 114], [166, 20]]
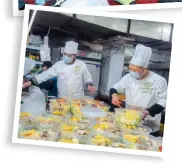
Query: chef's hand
[[145, 114], [27, 84], [91, 89], [116, 101]]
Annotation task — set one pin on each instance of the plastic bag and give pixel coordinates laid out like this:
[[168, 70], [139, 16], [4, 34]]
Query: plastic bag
[[45, 53], [29, 65], [33, 39], [34, 104]]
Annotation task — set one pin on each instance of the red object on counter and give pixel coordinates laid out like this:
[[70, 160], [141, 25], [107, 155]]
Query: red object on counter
[[160, 148], [146, 1], [113, 2]]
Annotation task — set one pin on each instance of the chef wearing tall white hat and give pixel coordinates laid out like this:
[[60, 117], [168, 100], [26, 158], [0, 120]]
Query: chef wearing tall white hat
[[144, 90], [72, 74]]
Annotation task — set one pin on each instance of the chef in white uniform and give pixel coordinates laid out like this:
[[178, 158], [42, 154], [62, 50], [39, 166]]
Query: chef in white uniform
[[144, 90], [71, 74]]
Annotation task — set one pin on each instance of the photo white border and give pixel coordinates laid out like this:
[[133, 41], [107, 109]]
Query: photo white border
[[20, 76], [122, 8]]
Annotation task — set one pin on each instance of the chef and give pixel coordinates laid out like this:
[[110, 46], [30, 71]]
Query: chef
[[71, 74], [144, 90]]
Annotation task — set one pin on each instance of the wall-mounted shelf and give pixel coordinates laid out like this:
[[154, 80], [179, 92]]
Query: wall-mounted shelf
[[33, 47]]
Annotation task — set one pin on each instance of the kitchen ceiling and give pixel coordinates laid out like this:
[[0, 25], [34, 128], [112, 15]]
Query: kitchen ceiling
[[67, 24]]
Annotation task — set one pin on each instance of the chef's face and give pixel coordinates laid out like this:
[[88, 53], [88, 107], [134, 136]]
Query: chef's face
[[44, 68], [70, 55], [136, 69]]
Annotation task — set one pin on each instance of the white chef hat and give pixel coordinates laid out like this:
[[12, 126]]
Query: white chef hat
[[29, 65], [141, 56], [71, 47]]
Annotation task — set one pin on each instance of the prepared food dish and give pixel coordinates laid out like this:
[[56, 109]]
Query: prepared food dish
[[29, 134], [24, 114], [48, 135], [69, 140], [101, 141], [142, 142], [128, 119], [108, 127]]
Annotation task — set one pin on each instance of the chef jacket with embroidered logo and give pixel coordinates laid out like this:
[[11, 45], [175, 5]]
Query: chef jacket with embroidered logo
[[71, 78], [142, 94]]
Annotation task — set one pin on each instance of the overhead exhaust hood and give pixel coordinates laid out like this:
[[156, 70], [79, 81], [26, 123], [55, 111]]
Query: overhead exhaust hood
[[154, 30]]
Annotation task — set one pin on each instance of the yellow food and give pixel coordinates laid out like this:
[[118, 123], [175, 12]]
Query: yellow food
[[74, 119], [129, 119], [100, 140], [28, 133], [58, 113], [68, 127], [24, 114], [69, 140], [131, 138], [66, 140], [102, 126]]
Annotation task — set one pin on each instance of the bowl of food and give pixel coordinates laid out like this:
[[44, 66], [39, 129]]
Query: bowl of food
[[68, 129], [142, 142], [127, 119], [104, 138], [29, 132]]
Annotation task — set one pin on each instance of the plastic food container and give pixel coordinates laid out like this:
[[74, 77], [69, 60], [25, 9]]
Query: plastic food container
[[69, 139], [93, 112], [120, 114], [113, 140], [49, 133], [138, 142], [28, 132], [68, 130]]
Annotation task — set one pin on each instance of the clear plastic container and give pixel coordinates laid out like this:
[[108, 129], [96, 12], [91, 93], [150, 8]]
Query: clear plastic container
[[67, 130], [49, 133], [127, 124], [93, 112], [144, 142], [28, 132], [115, 140]]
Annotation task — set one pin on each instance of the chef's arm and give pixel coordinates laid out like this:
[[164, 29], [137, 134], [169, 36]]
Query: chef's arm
[[119, 87], [44, 76], [155, 109], [112, 91], [161, 97], [87, 78]]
